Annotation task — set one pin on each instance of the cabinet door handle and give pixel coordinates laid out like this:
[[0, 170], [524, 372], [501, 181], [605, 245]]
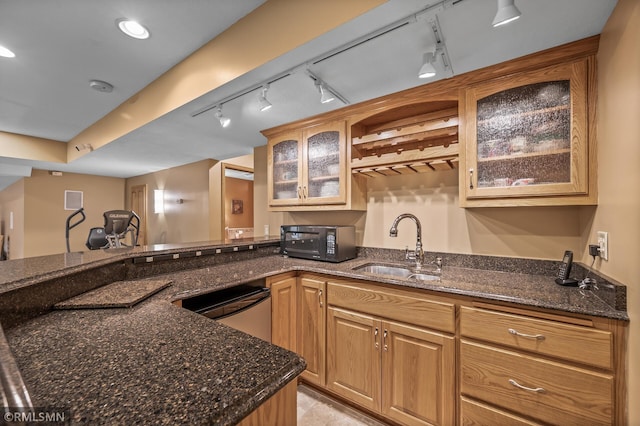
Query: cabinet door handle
[[320, 297], [519, 386], [384, 340], [375, 338], [470, 178], [304, 191], [528, 336], [299, 192]]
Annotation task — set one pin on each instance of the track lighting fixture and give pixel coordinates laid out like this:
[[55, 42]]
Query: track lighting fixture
[[224, 121], [427, 70], [263, 103], [507, 12], [325, 94]]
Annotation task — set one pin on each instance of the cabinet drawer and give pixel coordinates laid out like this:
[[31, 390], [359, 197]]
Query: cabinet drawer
[[570, 342], [473, 413], [400, 305], [550, 392]]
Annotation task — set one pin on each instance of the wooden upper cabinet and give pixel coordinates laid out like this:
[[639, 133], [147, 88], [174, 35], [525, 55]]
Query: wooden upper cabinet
[[284, 159], [307, 170], [527, 139], [521, 133], [324, 177]]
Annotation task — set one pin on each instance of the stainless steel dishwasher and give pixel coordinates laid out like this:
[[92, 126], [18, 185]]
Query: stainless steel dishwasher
[[246, 307]]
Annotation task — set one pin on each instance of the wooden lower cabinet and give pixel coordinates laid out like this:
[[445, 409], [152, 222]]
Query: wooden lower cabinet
[[311, 318], [283, 311], [554, 370], [474, 413], [403, 372], [280, 409], [418, 375], [353, 357], [417, 358]]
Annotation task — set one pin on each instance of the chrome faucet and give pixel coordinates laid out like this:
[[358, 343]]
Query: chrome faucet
[[418, 254]]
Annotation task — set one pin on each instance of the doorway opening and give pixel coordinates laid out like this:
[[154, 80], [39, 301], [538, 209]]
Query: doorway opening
[[237, 194]]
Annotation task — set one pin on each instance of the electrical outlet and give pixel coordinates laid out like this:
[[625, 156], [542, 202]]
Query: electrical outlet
[[603, 243]]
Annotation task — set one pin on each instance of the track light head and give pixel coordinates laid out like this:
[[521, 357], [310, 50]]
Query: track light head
[[507, 12], [263, 103], [224, 121], [325, 94], [427, 70]]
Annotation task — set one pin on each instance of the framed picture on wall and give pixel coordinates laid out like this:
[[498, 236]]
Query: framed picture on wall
[[236, 206]]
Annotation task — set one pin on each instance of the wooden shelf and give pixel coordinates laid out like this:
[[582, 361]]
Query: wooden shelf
[[285, 162], [509, 117], [523, 156], [436, 131], [408, 168], [324, 178], [423, 142], [285, 182]]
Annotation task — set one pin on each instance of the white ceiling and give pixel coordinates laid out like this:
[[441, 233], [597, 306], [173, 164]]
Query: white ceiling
[[62, 45]]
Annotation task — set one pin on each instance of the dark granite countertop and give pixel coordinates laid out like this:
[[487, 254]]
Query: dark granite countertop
[[158, 363], [524, 289], [155, 363]]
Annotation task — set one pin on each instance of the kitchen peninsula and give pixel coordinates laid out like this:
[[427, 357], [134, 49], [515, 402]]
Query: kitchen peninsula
[[156, 362]]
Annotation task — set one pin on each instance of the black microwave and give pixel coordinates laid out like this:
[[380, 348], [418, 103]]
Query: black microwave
[[318, 242]]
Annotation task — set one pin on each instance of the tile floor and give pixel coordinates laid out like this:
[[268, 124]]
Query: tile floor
[[315, 409]]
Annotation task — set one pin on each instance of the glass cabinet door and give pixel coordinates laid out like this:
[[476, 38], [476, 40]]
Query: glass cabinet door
[[325, 161], [527, 135], [285, 171]]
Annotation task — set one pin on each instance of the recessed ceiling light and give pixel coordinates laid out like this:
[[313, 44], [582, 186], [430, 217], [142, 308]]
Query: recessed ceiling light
[[133, 29], [4, 52]]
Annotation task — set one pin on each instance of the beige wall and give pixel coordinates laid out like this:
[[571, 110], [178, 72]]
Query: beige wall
[[619, 175], [261, 216], [541, 233], [180, 223], [44, 215], [12, 201]]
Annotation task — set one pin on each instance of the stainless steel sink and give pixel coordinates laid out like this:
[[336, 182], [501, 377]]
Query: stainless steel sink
[[396, 272]]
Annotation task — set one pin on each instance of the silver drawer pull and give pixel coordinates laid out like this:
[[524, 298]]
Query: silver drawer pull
[[528, 336], [518, 385]]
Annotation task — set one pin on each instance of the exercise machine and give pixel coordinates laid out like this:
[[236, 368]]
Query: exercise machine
[[117, 223]]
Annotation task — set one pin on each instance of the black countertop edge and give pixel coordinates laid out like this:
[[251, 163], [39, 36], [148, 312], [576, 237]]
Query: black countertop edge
[[20, 273]]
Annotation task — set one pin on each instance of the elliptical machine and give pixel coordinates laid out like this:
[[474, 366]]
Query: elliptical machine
[[117, 223]]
